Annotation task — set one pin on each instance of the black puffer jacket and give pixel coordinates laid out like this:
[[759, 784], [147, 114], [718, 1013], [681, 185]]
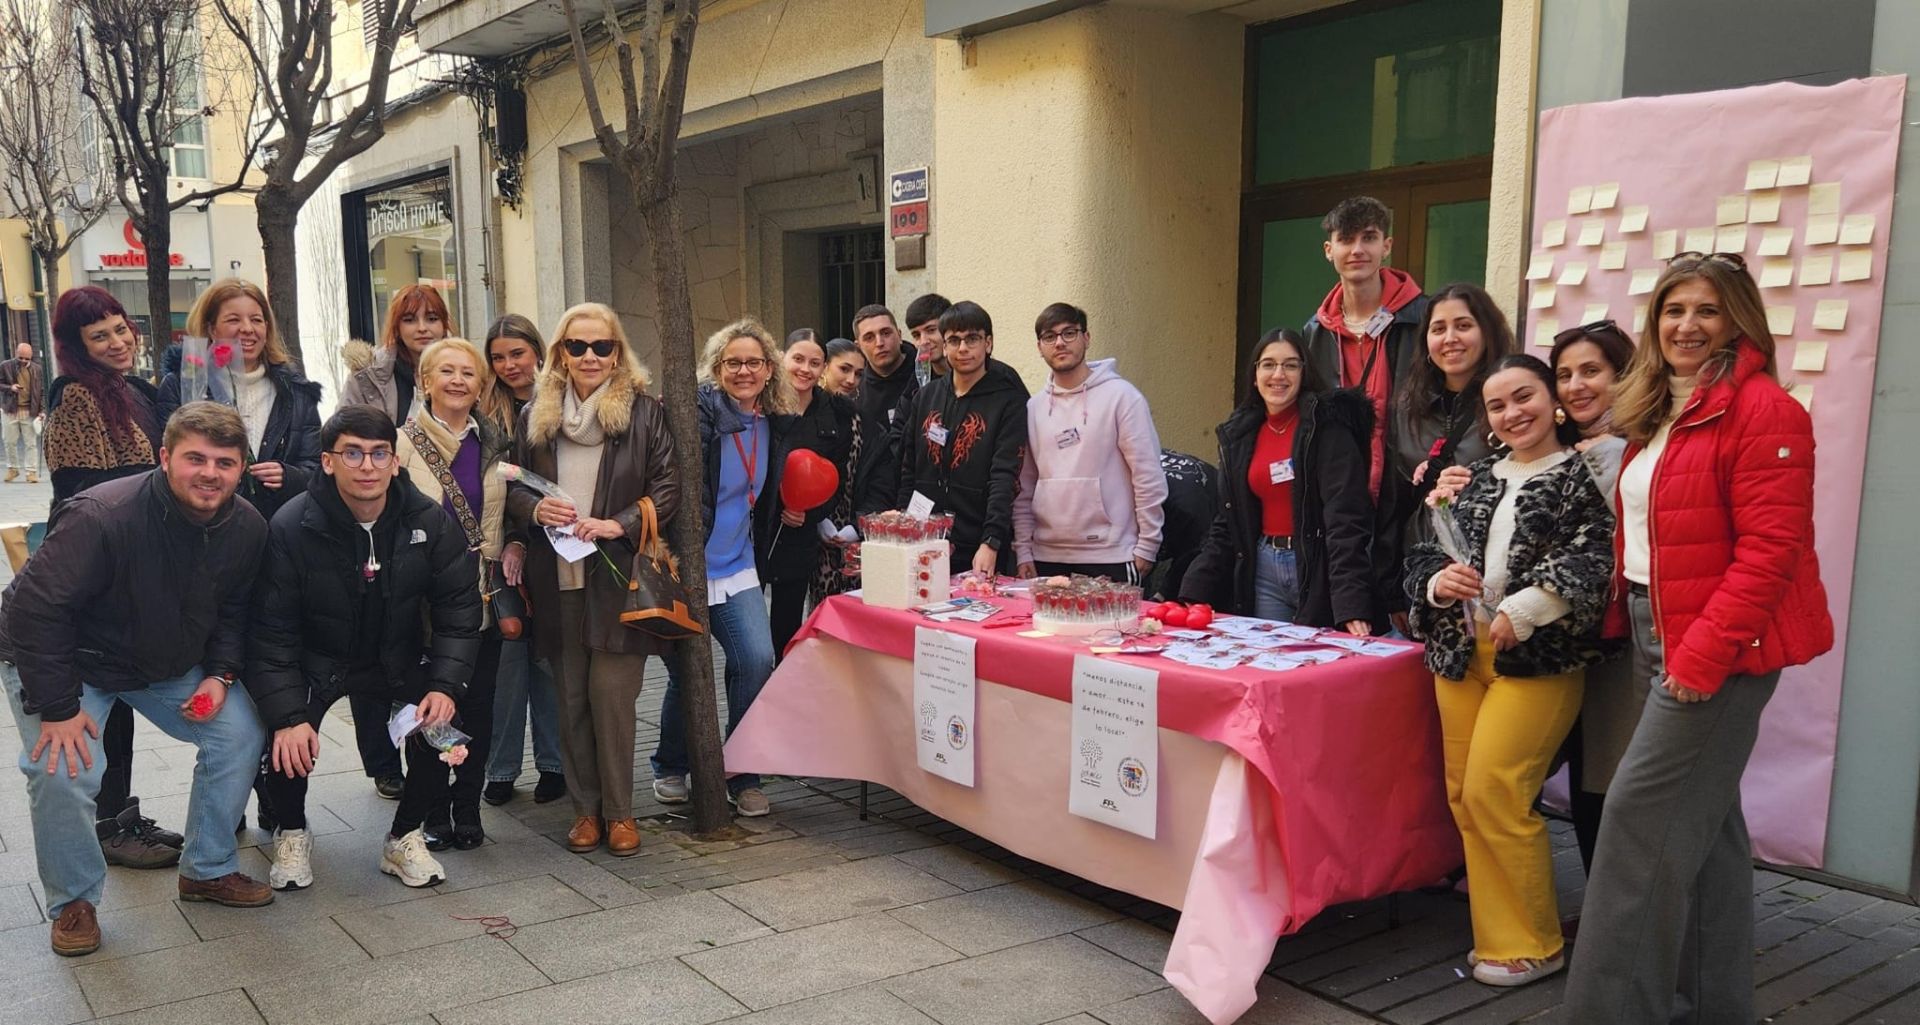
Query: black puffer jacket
[[292, 438], [126, 591], [309, 625], [1332, 515], [826, 428]]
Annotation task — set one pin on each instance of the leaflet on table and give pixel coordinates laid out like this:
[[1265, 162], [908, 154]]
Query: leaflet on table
[[969, 610], [944, 689], [1116, 745]]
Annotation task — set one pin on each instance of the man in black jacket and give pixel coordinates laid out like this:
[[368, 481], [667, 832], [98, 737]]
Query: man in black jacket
[[889, 379], [356, 568], [964, 441], [140, 594]]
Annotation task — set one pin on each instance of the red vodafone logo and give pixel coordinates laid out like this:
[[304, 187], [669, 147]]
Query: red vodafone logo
[[136, 254]]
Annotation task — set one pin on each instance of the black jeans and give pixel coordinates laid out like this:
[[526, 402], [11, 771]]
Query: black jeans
[[116, 744], [474, 717], [788, 611], [425, 790], [371, 711]]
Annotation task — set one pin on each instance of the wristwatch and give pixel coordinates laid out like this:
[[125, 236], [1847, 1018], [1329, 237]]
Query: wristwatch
[[228, 679]]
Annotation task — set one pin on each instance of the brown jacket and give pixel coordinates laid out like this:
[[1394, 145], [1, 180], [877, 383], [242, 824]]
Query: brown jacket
[[31, 399], [636, 461]]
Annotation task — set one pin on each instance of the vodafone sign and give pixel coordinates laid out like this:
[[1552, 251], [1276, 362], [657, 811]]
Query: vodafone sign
[[113, 244]]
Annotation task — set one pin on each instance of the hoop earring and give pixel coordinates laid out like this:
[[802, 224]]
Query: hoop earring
[[1559, 415]]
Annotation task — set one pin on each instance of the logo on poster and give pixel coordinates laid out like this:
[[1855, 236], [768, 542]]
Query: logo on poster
[[1133, 777], [957, 733], [1090, 755]]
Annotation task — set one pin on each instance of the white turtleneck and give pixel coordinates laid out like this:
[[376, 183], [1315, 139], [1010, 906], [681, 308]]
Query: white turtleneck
[[253, 394], [1636, 490]]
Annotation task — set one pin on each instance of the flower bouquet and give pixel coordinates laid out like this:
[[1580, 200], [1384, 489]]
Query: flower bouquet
[[206, 370], [1446, 530]]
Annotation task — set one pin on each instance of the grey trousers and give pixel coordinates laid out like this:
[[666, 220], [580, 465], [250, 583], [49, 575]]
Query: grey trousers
[[1666, 932], [597, 690]]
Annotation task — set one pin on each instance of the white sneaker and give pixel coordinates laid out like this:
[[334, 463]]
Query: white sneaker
[[407, 860], [292, 860], [1517, 972], [670, 789]]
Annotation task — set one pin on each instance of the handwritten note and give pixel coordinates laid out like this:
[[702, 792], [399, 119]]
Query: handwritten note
[[1553, 233], [1830, 315], [1810, 356], [1580, 199], [1543, 332], [1856, 265], [1762, 174], [1543, 298], [1643, 280], [1817, 269], [1633, 219], [1115, 735], [1541, 266], [1780, 320], [1776, 241], [1763, 207], [1604, 196], [1856, 229], [1699, 240], [1823, 229], [1730, 239], [1573, 273], [1795, 171], [1592, 230], [1613, 256], [1594, 313], [1776, 273], [1731, 209], [1823, 198], [1666, 243]]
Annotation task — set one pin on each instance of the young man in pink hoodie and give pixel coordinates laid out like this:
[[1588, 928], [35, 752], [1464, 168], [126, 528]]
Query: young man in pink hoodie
[[1091, 486]]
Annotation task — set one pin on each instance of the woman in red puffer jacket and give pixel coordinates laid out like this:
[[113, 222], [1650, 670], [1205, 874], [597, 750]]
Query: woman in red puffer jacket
[[1717, 579]]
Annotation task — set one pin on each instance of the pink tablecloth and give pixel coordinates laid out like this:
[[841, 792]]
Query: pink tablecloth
[[1341, 798]]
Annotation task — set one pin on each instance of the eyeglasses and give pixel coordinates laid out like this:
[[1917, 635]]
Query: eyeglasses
[[1066, 335], [970, 340], [354, 457], [734, 366], [1734, 260], [1268, 366], [1597, 327], [602, 348]]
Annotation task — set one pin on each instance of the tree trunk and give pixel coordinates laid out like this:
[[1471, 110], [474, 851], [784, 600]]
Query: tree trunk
[[50, 287], [158, 238], [660, 214], [278, 217]]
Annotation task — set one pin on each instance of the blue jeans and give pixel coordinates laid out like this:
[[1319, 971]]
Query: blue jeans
[[740, 625], [1276, 584], [524, 683], [65, 845]]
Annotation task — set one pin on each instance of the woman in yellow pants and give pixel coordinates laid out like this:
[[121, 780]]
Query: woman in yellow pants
[[1511, 616]]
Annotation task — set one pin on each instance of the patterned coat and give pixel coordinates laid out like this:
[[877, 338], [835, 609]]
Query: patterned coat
[[1562, 541]]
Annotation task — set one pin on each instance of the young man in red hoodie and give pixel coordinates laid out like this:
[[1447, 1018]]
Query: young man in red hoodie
[[1368, 335]]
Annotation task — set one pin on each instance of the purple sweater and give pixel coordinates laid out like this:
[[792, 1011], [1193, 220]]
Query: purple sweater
[[466, 473]]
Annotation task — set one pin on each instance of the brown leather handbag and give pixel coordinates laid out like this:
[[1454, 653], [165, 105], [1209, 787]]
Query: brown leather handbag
[[656, 599]]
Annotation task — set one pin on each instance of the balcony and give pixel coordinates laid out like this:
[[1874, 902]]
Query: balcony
[[492, 28]]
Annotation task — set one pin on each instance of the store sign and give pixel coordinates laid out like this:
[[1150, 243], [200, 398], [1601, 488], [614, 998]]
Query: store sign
[[908, 213], [405, 214], [907, 186], [111, 246]]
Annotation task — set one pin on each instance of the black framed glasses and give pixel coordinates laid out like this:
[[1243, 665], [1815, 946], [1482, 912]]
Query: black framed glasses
[[1068, 334], [355, 457], [1734, 260], [602, 348], [969, 340], [734, 366]]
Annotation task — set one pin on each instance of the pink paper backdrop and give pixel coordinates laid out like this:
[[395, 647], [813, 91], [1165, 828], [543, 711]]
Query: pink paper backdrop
[[1677, 155]]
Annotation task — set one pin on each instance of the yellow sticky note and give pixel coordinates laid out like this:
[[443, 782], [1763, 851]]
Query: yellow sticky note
[[1699, 240], [1763, 207], [1780, 320], [1666, 243], [1776, 241], [1543, 332], [1604, 196], [1803, 394], [1810, 356], [1542, 298], [1856, 229], [1823, 229], [1594, 313], [1776, 273], [1642, 281], [1540, 266], [1553, 233], [1761, 174], [1580, 199], [1573, 273], [1856, 265], [1633, 219], [1823, 198], [1613, 256], [1795, 171], [1830, 315], [1731, 209], [1730, 239], [1592, 230], [1639, 317], [1817, 270]]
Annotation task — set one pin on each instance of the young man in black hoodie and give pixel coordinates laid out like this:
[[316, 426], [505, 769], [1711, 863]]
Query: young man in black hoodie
[[889, 380], [964, 441]]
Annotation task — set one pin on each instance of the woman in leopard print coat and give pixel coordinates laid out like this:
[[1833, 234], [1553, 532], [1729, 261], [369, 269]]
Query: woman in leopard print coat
[[1510, 627]]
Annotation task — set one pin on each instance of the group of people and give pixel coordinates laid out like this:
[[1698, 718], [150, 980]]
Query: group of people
[[1607, 553]]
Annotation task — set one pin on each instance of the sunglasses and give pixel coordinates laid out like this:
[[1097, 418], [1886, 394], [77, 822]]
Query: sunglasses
[[1597, 327], [602, 348], [1734, 260]]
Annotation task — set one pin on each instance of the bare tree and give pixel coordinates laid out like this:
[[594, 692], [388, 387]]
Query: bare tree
[[289, 47], [643, 153], [51, 173], [149, 75]]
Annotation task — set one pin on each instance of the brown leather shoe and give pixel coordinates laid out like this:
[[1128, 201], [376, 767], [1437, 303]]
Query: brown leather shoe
[[584, 837], [623, 838], [76, 932], [235, 890]]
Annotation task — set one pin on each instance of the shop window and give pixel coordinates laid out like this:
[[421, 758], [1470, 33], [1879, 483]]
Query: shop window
[[399, 235]]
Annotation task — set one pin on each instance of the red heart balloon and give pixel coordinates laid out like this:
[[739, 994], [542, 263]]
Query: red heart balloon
[[809, 480]]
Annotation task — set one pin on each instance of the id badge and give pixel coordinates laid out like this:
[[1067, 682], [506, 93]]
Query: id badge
[[1067, 438], [937, 434], [1280, 471]]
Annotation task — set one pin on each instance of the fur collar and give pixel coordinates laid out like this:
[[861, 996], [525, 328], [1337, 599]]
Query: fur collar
[[616, 406]]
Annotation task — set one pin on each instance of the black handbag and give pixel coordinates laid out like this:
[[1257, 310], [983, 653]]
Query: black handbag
[[656, 599]]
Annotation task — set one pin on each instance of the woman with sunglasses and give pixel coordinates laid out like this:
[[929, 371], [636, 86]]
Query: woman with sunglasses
[[1718, 580], [1509, 633], [745, 428], [416, 318], [592, 429], [1293, 536]]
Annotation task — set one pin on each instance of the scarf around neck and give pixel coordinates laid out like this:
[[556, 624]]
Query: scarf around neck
[[580, 418]]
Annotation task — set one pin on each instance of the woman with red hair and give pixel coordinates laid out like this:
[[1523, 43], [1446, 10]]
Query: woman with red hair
[[103, 423], [416, 318]]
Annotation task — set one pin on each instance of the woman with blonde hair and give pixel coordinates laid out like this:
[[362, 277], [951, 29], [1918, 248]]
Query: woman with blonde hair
[[1717, 579], [594, 430], [280, 407], [416, 318], [745, 407]]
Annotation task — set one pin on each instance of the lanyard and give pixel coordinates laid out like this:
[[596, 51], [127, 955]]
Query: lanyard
[[752, 462]]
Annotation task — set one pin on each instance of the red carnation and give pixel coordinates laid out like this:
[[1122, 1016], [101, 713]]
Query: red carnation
[[222, 354], [1439, 444], [201, 706]]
